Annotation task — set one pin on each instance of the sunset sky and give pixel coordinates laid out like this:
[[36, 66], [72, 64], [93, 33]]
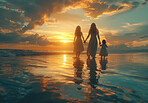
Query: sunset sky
[[50, 24]]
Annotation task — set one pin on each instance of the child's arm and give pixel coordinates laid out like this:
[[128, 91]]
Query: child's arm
[[106, 45]]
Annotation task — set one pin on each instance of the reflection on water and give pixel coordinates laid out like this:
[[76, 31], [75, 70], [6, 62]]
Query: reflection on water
[[64, 57], [103, 63], [62, 78], [92, 65], [78, 65]]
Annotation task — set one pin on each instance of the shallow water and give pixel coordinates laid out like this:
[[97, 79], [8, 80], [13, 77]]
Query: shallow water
[[60, 78]]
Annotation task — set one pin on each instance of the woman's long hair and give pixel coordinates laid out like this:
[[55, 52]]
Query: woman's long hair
[[78, 30], [93, 28]]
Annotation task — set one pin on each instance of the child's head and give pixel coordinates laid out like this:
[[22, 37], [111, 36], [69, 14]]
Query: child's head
[[103, 41]]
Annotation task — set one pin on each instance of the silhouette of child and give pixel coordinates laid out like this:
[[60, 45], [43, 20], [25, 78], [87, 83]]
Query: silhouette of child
[[103, 51]]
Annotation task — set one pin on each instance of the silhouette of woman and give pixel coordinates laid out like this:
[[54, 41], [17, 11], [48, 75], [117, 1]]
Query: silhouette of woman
[[78, 44], [92, 45]]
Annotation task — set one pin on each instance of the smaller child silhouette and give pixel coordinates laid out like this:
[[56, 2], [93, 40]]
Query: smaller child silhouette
[[103, 51]]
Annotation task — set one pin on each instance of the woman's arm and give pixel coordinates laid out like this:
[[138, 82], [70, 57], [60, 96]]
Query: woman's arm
[[98, 37], [83, 37], [87, 37]]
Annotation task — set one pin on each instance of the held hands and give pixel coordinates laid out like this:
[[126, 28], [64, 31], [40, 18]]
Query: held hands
[[100, 43]]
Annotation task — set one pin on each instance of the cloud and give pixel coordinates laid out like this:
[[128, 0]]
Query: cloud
[[96, 9], [132, 26], [10, 20], [100, 7], [27, 14], [139, 28], [18, 16], [31, 12], [131, 35], [34, 39], [67, 17], [145, 2]]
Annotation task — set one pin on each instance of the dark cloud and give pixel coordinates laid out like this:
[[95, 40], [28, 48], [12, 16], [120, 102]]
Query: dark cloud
[[10, 20], [9, 38], [145, 2], [96, 8], [30, 12], [145, 36], [124, 48], [34, 39]]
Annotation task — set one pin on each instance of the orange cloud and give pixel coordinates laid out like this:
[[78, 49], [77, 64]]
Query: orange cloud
[[137, 43]]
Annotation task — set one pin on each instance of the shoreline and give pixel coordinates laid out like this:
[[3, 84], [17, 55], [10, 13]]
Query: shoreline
[[19, 52]]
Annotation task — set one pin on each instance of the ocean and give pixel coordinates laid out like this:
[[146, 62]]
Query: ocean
[[57, 77]]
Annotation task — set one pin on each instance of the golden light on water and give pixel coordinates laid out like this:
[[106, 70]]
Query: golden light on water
[[64, 59]]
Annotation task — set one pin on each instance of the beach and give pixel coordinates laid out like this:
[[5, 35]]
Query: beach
[[61, 78]]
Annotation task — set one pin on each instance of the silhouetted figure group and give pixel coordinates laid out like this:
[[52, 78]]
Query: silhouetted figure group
[[93, 42], [94, 73]]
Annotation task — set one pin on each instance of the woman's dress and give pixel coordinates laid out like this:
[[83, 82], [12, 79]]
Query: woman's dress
[[78, 44], [92, 45], [103, 51]]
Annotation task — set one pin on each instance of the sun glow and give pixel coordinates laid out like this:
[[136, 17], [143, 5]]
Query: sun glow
[[65, 41]]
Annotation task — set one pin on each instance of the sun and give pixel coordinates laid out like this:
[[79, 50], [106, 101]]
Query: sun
[[65, 41]]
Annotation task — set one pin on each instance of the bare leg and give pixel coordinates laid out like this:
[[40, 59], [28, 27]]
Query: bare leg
[[78, 54], [88, 54], [93, 57]]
